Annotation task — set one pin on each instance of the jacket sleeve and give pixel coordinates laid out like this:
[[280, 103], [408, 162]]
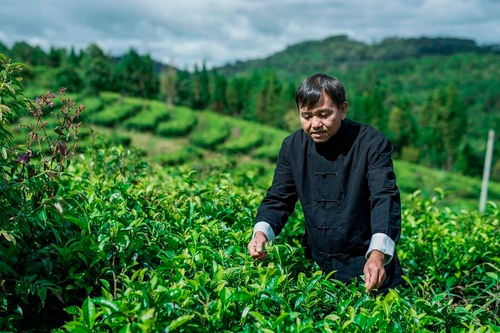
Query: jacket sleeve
[[385, 199], [281, 196]]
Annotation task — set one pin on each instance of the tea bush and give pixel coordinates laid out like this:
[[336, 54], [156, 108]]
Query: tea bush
[[146, 249], [179, 156], [92, 106], [244, 137], [212, 130], [108, 97], [149, 118], [119, 111], [272, 144], [181, 122], [180, 262]]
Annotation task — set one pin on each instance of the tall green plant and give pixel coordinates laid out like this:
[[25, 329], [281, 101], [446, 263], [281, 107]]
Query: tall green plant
[[30, 211]]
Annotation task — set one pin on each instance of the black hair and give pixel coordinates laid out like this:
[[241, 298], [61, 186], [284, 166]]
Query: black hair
[[309, 92]]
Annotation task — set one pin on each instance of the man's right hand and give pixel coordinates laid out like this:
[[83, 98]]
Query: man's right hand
[[256, 246]]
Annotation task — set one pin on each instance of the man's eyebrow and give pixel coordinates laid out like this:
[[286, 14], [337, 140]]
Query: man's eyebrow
[[304, 112]]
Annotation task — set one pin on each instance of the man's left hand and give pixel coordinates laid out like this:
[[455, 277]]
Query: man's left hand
[[374, 270]]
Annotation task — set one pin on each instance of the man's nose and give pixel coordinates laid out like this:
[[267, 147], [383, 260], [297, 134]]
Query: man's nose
[[316, 122]]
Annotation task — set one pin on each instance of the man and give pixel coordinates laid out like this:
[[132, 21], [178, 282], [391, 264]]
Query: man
[[342, 172]]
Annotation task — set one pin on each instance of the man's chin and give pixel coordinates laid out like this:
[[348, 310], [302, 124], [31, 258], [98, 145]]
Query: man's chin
[[318, 139]]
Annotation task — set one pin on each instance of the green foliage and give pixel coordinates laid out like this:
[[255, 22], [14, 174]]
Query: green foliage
[[117, 112], [30, 211], [108, 97], [153, 240], [272, 143], [402, 127], [108, 243], [179, 156], [244, 137], [149, 118], [96, 70], [395, 69], [412, 177], [67, 76], [92, 106], [134, 75], [12, 103], [212, 129], [181, 122]]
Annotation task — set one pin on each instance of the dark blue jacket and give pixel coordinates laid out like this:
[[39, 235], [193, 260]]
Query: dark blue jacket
[[347, 188]]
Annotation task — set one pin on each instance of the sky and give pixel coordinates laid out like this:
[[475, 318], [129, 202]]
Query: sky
[[183, 33]]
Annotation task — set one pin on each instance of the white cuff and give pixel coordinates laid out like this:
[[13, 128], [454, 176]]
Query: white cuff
[[384, 244], [265, 228]]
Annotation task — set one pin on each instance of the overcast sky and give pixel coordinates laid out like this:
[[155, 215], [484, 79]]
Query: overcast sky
[[187, 32]]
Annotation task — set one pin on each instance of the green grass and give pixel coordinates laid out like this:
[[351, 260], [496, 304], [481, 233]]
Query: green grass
[[458, 188]]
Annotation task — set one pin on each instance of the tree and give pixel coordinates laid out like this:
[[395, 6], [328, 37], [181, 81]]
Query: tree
[[168, 77], [402, 128], [201, 88], [56, 56], [22, 51], [134, 75], [183, 88], [96, 70], [219, 84], [236, 96], [269, 110], [446, 123], [67, 76]]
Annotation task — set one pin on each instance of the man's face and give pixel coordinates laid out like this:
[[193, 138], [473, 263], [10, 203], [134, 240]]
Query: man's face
[[323, 120]]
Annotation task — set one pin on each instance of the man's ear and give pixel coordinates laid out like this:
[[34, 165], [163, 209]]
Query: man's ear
[[343, 109]]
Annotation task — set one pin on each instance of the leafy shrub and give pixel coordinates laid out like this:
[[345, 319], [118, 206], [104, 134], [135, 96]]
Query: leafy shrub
[[108, 97], [272, 144], [31, 223], [149, 118], [92, 106], [204, 257], [244, 137], [269, 152], [181, 122], [179, 156], [115, 113], [212, 130]]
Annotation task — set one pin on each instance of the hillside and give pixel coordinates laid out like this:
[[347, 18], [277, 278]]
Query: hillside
[[435, 98], [204, 140]]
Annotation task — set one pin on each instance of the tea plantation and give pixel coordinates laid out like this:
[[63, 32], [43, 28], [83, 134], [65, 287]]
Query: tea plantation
[[136, 248], [172, 135], [105, 241]]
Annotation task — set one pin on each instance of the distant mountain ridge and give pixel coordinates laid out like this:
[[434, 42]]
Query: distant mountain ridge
[[315, 55]]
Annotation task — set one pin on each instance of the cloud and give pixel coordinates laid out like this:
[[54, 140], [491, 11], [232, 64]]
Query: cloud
[[187, 32]]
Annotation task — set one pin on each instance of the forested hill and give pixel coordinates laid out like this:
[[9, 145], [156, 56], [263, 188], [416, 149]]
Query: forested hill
[[340, 52]]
